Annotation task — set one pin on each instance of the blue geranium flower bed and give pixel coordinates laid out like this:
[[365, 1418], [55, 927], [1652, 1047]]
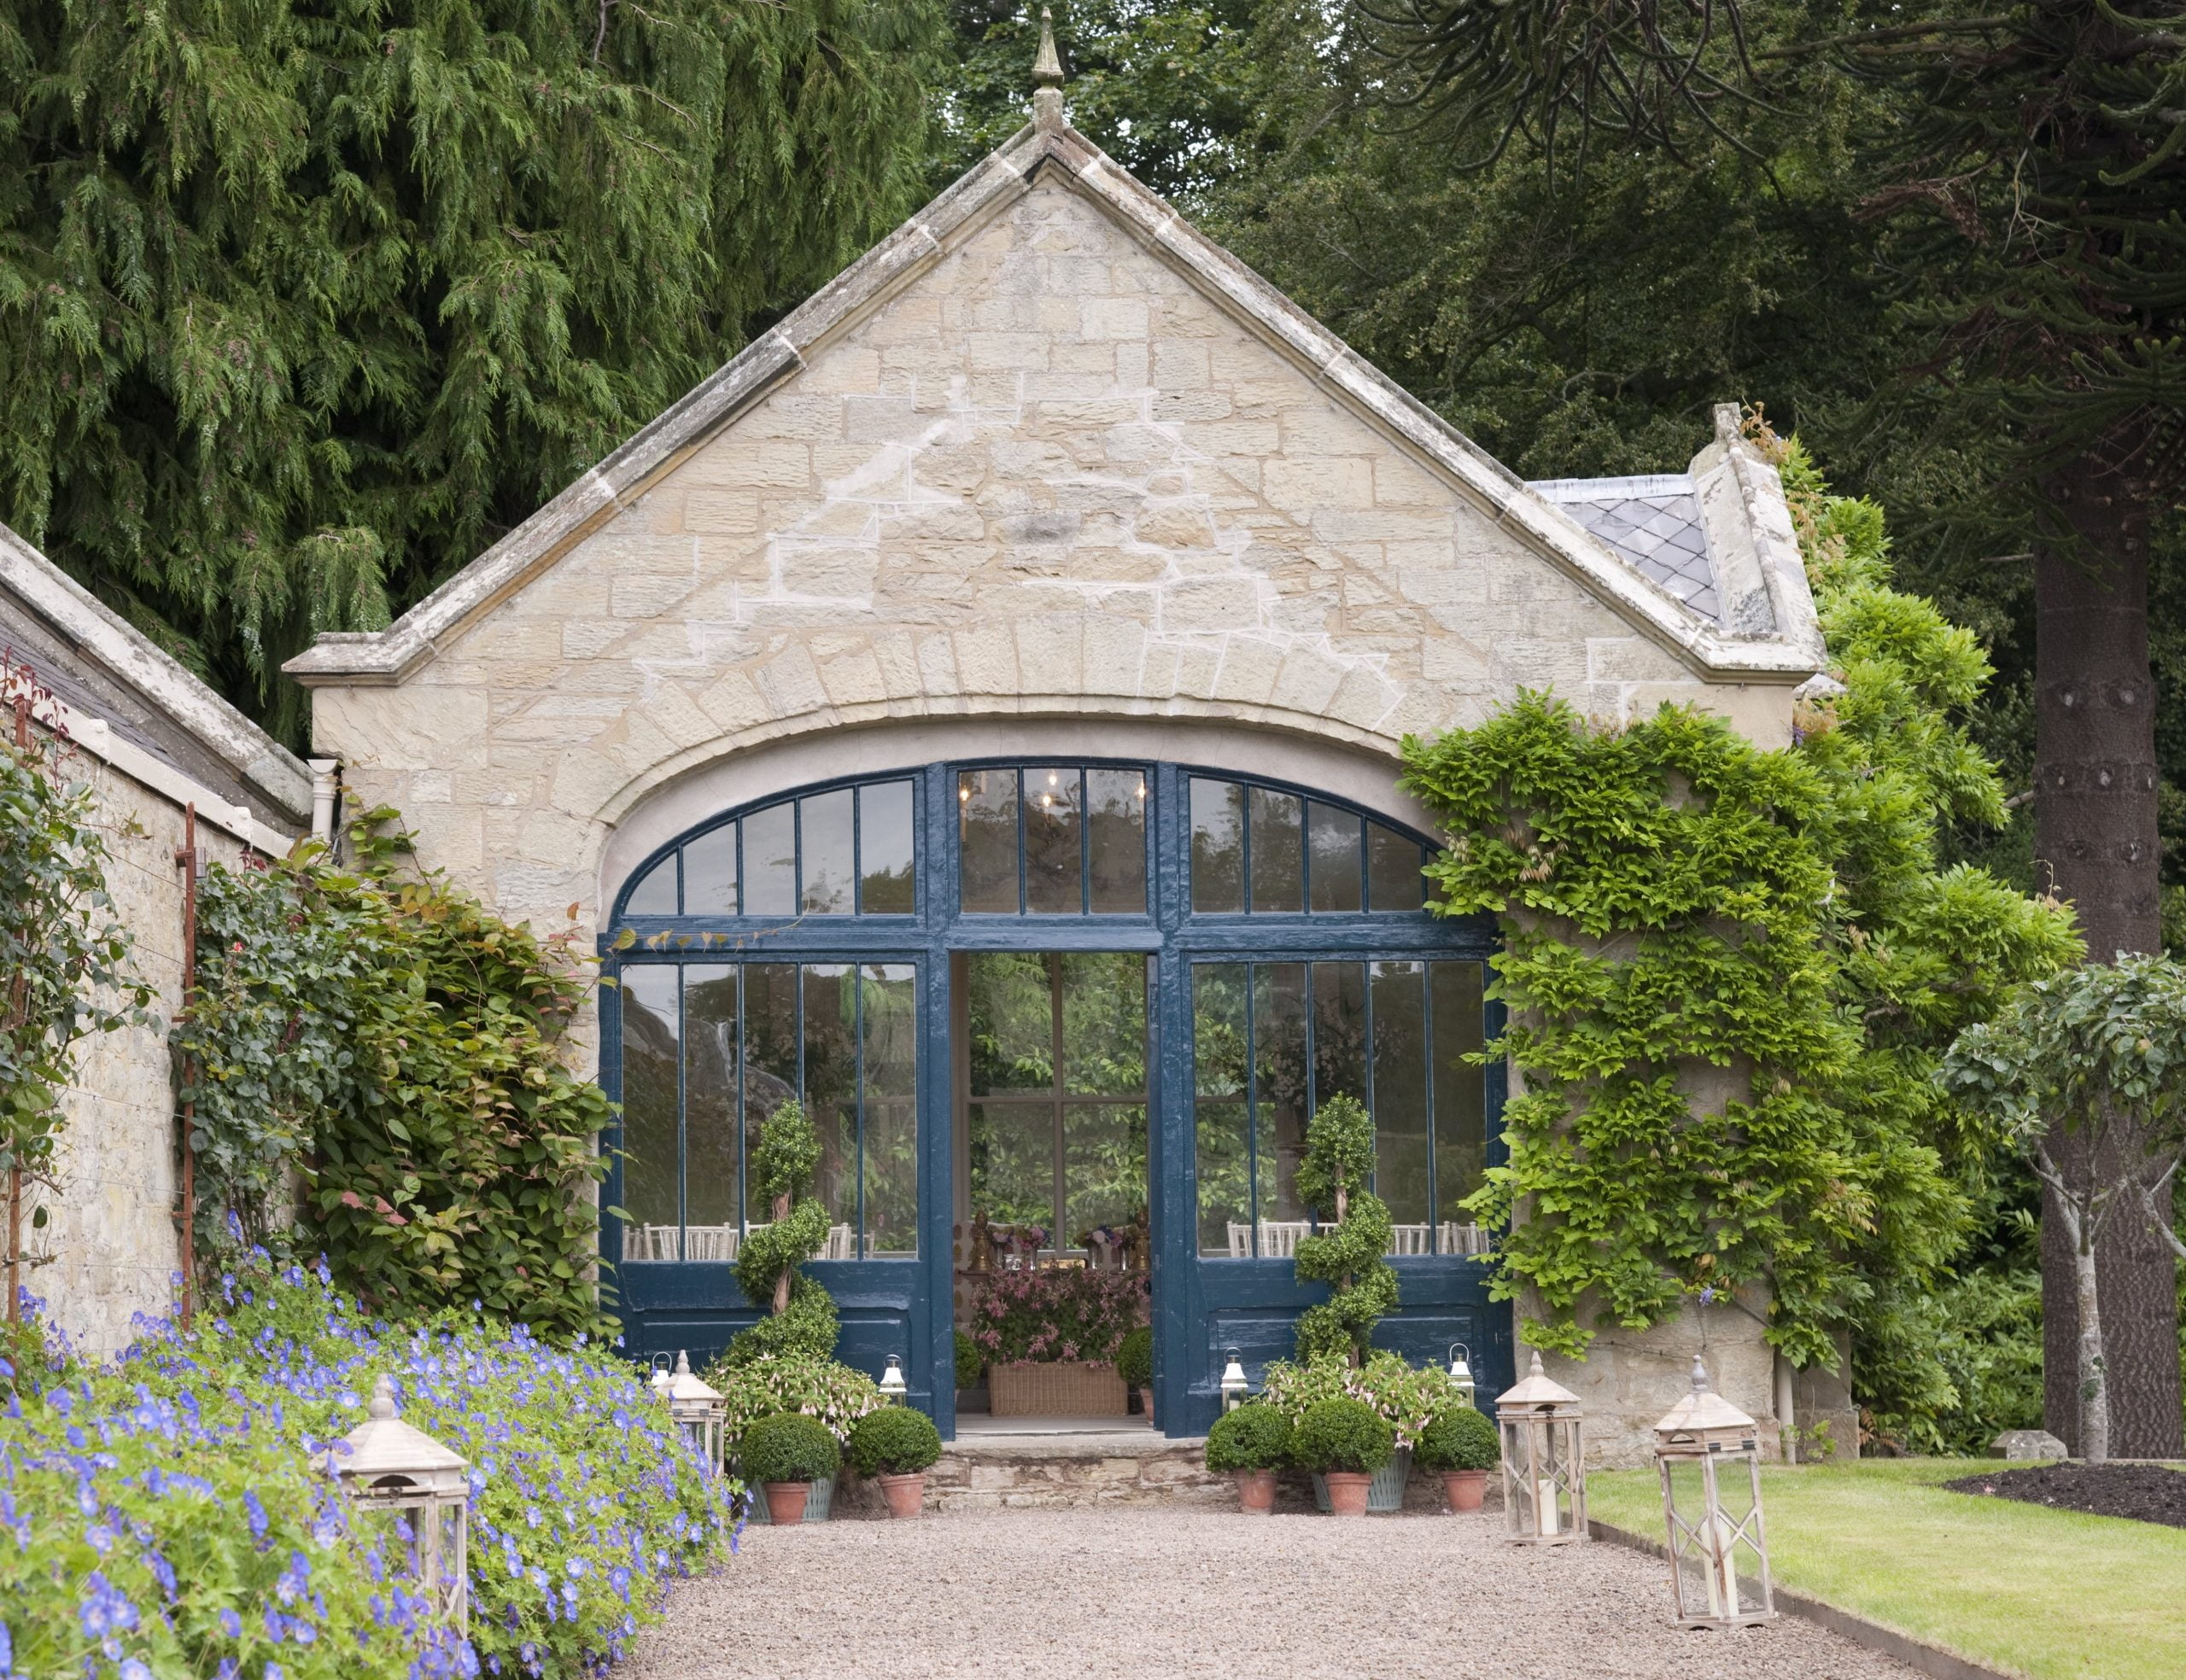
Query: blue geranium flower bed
[[172, 1515]]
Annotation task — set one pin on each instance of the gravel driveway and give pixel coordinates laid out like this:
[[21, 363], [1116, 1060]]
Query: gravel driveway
[[1126, 1592]]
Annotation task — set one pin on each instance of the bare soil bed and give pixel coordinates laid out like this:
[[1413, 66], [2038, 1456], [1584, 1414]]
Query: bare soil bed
[[2143, 1492]]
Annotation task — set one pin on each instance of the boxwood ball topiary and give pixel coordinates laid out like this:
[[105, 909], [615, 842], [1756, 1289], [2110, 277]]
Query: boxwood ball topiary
[[1135, 1358], [789, 1447], [1251, 1437], [1343, 1435], [1460, 1439], [894, 1441], [970, 1362]]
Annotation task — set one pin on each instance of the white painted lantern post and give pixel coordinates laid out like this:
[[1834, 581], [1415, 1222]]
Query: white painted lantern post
[[1544, 1462], [1233, 1382], [416, 1494], [698, 1409], [1711, 1458]]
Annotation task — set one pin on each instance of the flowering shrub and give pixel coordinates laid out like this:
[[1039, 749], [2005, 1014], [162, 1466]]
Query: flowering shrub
[[1406, 1398], [1059, 1312], [793, 1382], [173, 1515]]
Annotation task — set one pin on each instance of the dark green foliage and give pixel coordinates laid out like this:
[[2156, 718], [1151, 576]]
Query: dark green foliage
[[378, 1031], [303, 306], [894, 1441], [788, 1447], [1346, 1435], [970, 1366], [1459, 1439], [1346, 1254], [1135, 1358], [804, 1320], [1254, 1437]]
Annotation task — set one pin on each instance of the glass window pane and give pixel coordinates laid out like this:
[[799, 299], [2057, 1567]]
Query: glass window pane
[[986, 813], [1009, 1013], [1218, 846], [1104, 1023], [1103, 1165], [1339, 1030], [769, 1053], [1460, 1104], [1279, 1087], [831, 1093], [1013, 1163], [1055, 881], [710, 873], [770, 862], [1115, 809], [652, 1162], [654, 896], [1219, 1029], [883, 842], [892, 1125], [1226, 1204], [1400, 1160], [713, 1189], [1333, 836], [829, 854], [1394, 881], [1278, 851]]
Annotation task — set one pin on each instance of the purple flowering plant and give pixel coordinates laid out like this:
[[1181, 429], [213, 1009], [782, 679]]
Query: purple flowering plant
[[1056, 1313], [173, 1514]]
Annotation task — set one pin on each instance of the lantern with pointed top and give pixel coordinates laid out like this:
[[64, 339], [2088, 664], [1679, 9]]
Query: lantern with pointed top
[[1709, 1451], [1544, 1463], [698, 1408], [412, 1496], [1461, 1372]]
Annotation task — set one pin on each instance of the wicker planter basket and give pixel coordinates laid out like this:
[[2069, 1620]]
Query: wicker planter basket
[[1059, 1388]]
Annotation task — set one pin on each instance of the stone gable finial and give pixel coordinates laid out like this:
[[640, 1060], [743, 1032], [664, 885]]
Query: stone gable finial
[[1047, 76]]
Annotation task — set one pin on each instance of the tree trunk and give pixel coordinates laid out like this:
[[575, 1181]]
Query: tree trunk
[[2088, 1362], [781, 1283], [2096, 845]]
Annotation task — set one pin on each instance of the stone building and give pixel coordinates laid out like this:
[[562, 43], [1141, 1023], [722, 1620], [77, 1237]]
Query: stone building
[[154, 743], [977, 710]]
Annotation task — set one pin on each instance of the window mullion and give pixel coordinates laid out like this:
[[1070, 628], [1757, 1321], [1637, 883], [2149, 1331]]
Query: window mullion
[[1252, 1104], [682, 1156]]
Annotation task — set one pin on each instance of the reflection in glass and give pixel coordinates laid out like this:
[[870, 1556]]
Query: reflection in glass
[[830, 858], [1218, 1039], [712, 1179], [1218, 846], [1009, 1013], [1103, 1166], [1013, 1163], [831, 1084], [770, 991], [1055, 858], [1460, 1108], [1115, 807], [1279, 1087], [710, 872], [889, 1017], [884, 844], [1223, 1156], [770, 862], [653, 1162], [1339, 1030], [1104, 1021], [1394, 881], [654, 896], [1333, 838], [1278, 830], [986, 810], [1400, 1158]]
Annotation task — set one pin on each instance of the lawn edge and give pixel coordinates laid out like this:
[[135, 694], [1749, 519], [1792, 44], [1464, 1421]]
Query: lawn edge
[[1931, 1660]]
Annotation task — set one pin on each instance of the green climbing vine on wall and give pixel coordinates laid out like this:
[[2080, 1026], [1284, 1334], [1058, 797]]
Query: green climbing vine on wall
[[1730, 972], [770, 1267], [1346, 1254]]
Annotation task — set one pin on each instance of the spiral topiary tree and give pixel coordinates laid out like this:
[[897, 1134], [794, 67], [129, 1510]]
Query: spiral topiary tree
[[802, 1314], [1347, 1256]]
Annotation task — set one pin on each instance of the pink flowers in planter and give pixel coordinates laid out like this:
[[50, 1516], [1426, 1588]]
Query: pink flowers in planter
[[1058, 1313]]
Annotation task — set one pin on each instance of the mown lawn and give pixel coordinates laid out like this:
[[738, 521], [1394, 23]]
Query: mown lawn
[[2051, 1595]]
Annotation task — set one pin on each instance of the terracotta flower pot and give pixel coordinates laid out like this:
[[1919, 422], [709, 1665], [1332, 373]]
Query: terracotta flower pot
[[1145, 1405], [1256, 1491], [785, 1501], [1464, 1488], [906, 1495], [1348, 1492]]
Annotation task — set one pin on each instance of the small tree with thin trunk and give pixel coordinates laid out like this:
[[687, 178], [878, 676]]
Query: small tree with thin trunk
[[802, 1316], [2098, 1055], [1346, 1254]]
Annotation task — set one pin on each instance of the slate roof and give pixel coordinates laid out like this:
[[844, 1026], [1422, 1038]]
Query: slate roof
[[1652, 523]]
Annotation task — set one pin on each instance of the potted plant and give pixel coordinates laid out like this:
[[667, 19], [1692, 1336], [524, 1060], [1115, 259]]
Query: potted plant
[[1050, 1336], [819, 1387], [1135, 1365], [1344, 1442], [896, 1446], [786, 1454], [1406, 1397], [1461, 1447], [1252, 1443]]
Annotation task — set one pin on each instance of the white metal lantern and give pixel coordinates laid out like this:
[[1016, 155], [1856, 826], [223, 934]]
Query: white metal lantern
[[1711, 1458], [1544, 1462], [414, 1495], [1461, 1372], [698, 1409], [663, 1372], [892, 1386], [1234, 1386]]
